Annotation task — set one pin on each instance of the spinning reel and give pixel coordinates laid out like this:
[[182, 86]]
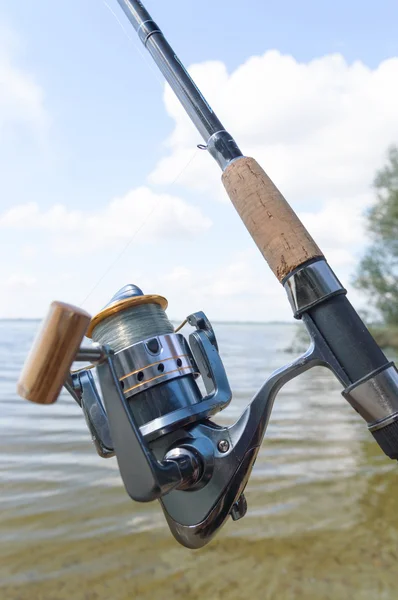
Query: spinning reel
[[148, 409]]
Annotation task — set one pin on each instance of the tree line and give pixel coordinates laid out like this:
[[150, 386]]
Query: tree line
[[377, 273]]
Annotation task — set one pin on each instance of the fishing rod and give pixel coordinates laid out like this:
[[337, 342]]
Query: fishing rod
[[148, 409]]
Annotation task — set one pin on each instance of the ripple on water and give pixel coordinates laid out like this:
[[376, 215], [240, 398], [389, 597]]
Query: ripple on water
[[322, 519]]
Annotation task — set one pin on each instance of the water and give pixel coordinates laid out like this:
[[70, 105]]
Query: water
[[322, 519]]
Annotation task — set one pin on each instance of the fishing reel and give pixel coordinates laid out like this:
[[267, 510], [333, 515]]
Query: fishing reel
[[148, 409]]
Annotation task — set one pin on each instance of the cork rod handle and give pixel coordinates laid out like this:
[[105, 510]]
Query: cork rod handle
[[52, 353], [274, 226]]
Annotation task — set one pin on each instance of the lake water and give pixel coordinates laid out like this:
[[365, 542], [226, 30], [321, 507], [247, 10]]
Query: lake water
[[322, 518]]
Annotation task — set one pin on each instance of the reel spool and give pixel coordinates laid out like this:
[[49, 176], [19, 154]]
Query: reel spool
[[155, 367]]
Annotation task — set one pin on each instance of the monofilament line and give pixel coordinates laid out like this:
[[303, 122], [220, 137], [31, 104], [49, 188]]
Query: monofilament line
[[132, 325], [151, 212], [139, 228]]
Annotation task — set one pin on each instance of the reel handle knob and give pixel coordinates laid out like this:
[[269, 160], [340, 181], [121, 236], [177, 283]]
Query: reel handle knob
[[53, 352]]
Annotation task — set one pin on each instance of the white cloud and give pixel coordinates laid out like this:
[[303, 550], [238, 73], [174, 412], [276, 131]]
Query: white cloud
[[338, 220], [16, 293], [141, 215], [320, 129], [318, 126], [28, 251], [338, 228], [179, 274], [21, 96], [241, 289], [19, 282]]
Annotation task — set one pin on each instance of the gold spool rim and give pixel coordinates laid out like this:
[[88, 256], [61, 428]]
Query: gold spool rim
[[120, 305]]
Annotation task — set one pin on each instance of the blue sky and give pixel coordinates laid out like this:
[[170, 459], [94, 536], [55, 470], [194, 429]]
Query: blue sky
[[91, 145]]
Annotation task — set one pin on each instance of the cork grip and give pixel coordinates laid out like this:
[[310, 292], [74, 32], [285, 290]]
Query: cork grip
[[274, 226], [52, 353]]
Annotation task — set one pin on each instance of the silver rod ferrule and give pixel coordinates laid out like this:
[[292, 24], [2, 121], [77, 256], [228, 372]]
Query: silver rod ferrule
[[311, 284]]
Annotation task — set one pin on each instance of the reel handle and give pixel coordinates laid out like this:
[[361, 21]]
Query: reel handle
[[53, 352]]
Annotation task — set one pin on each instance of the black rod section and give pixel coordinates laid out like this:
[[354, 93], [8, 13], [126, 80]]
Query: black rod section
[[220, 143], [347, 337]]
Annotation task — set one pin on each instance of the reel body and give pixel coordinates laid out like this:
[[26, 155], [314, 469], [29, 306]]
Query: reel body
[[148, 409]]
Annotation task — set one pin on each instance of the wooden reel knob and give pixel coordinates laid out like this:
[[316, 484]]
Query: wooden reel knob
[[53, 352]]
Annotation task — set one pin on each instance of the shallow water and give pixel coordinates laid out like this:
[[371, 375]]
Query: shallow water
[[322, 520]]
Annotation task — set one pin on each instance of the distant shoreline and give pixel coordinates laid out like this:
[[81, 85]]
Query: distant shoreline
[[36, 319], [386, 337]]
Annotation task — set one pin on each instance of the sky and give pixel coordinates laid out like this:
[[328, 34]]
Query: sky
[[101, 182]]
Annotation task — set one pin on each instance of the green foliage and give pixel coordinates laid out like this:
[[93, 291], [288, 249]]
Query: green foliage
[[301, 340], [387, 338], [378, 270]]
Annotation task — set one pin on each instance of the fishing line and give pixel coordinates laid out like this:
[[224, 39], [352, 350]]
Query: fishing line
[[151, 212], [139, 50], [132, 325], [131, 239]]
